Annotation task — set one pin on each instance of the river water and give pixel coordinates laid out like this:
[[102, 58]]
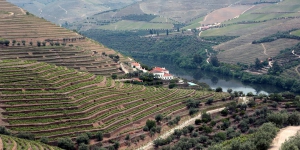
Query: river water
[[214, 80]]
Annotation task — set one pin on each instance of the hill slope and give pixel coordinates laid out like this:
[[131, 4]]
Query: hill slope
[[261, 21], [10, 142], [45, 100], [34, 38], [59, 11]]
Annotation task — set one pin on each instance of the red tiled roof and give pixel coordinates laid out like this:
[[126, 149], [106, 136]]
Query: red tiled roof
[[135, 64], [155, 71], [159, 69], [167, 75]]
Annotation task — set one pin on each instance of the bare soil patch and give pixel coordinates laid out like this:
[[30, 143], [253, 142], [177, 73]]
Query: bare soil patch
[[224, 14]]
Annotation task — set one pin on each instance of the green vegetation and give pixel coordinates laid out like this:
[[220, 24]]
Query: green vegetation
[[238, 126], [188, 53], [134, 25], [79, 101], [296, 33], [292, 143], [21, 144]]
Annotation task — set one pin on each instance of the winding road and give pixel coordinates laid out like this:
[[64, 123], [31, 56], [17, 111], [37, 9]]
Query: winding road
[[184, 124]]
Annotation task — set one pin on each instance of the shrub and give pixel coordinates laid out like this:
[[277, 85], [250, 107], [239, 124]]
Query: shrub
[[292, 144], [198, 121], [150, 124], [44, 140], [158, 117], [127, 137], [83, 147], [224, 112], [82, 138], [65, 143], [158, 129], [206, 117], [99, 136], [210, 101], [116, 145], [190, 128], [219, 89], [26, 135], [4, 131], [142, 137], [145, 128], [193, 111]]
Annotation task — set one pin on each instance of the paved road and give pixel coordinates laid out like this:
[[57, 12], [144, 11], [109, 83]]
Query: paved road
[[186, 123]]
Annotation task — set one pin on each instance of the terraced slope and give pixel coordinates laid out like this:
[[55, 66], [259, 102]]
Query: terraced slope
[[54, 101], [10, 142], [73, 51]]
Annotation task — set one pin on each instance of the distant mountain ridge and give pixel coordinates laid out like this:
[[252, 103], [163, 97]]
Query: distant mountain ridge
[[61, 11]]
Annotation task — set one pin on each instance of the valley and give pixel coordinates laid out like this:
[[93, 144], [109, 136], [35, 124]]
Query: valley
[[165, 75]]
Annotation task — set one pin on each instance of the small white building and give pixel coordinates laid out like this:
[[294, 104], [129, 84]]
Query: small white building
[[138, 66], [162, 73]]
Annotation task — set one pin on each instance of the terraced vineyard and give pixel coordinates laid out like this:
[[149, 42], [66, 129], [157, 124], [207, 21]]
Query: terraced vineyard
[[56, 45], [10, 142], [53, 101]]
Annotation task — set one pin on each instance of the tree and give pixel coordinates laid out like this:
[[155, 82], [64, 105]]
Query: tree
[[214, 61], [30, 43], [229, 91], [23, 42], [197, 58], [150, 124], [83, 138], [257, 64], [6, 42], [167, 32], [219, 89], [99, 136], [83, 146], [14, 42], [38, 43], [206, 117], [114, 76], [158, 117], [116, 145], [4, 131], [65, 143]]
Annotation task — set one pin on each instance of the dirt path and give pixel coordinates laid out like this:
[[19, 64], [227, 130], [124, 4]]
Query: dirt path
[[124, 69], [265, 50], [23, 11], [283, 135], [184, 124], [63, 9]]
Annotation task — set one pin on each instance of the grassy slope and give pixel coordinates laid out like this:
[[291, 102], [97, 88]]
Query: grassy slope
[[132, 25], [296, 33], [241, 49]]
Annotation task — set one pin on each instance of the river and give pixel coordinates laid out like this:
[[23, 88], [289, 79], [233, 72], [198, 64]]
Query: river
[[214, 80]]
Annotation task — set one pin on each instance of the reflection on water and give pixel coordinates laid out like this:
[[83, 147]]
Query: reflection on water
[[214, 80]]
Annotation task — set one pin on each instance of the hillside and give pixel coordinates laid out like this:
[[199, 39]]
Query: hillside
[[161, 14], [33, 38], [260, 21], [45, 100], [10, 142], [59, 12]]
